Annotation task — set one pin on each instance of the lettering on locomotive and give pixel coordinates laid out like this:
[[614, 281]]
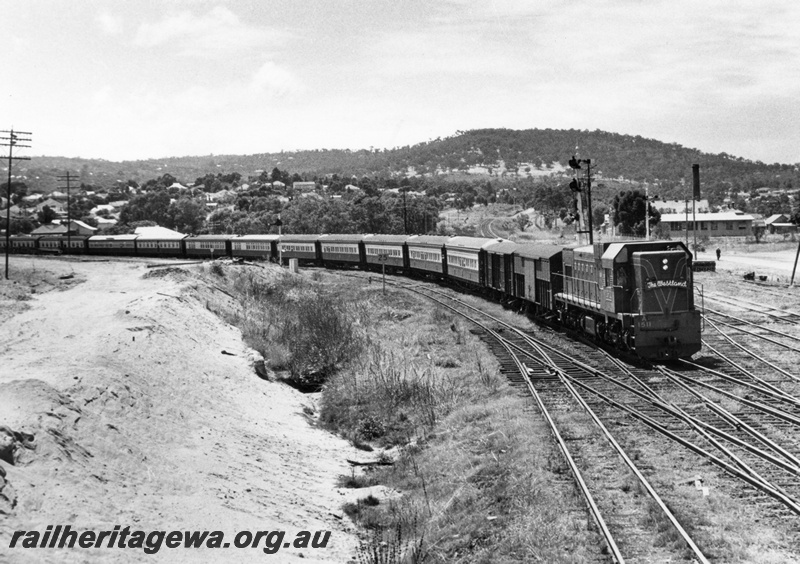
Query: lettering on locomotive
[[653, 284]]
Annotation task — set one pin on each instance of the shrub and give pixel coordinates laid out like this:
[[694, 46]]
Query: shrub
[[320, 334]]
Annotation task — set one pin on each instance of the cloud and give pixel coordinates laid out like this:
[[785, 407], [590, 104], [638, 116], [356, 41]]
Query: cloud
[[217, 32], [273, 79], [109, 24]]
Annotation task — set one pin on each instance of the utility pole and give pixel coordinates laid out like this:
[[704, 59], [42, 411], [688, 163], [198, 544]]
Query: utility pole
[[11, 139], [405, 219], [279, 223], [68, 178], [695, 198], [647, 211]]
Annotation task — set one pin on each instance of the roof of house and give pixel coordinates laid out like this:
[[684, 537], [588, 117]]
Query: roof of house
[[776, 218], [158, 232], [60, 228], [50, 229], [721, 216]]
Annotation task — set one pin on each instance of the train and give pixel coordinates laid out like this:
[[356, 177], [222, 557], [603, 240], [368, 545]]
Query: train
[[635, 296]]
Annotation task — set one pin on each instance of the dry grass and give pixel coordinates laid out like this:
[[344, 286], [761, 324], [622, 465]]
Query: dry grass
[[295, 323], [481, 481]]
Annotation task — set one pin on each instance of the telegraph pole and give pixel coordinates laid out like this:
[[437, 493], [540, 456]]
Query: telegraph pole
[[67, 177], [11, 139], [695, 198], [405, 218]]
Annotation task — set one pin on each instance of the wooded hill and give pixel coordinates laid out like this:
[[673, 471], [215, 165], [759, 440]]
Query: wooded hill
[[513, 152]]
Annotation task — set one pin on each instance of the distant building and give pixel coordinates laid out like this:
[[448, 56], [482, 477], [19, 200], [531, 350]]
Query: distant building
[[304, 186], [779, 223], [158, 232], [105, 223], [75, 228], [54, 205], [680, 206], [722, 224]]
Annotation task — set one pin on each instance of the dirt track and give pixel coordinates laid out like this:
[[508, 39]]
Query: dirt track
[[141, 420]]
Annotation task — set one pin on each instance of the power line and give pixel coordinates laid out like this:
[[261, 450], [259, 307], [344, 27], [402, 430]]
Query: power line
[[10, 138]]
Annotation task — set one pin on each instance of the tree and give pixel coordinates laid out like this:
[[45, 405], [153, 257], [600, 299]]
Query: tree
[[599, 215], [186, 215], [629, 210], [150, 206], [46, 215], [18, 191]]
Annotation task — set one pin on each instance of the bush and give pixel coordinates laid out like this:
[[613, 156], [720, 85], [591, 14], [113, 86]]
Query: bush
[[320, 335], [297, 327]]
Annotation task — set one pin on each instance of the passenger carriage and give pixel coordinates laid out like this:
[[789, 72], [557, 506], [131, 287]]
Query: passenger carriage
[[75, 244], [160, 246], [256, 246], [392, 248], [26, 244], [305, 248], [426, 254], [51, 244], [121, 245], [208, 246], [466, 258], [344, 250]]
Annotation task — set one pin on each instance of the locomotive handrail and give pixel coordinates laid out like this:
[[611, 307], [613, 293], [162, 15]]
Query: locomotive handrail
[[635, 294], [702, 307]]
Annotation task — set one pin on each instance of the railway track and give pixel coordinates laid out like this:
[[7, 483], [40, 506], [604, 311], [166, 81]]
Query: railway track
[[742, 422], [592, 453], [779, 314]]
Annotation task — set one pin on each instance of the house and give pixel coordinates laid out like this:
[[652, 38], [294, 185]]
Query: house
[[54, 205], [107, 207], [722, 224], [304, 186], [19, 213], [75, 228], [103, 223], [779, 223], [158, 232]]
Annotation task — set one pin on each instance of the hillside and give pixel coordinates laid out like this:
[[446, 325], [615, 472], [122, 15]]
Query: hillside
[[613, 155]]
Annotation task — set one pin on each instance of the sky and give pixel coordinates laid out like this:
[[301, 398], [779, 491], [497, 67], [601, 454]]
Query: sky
[[137, 79]]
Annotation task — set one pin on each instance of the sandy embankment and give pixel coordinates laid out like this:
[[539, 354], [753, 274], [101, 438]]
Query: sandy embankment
[[140, 420]]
